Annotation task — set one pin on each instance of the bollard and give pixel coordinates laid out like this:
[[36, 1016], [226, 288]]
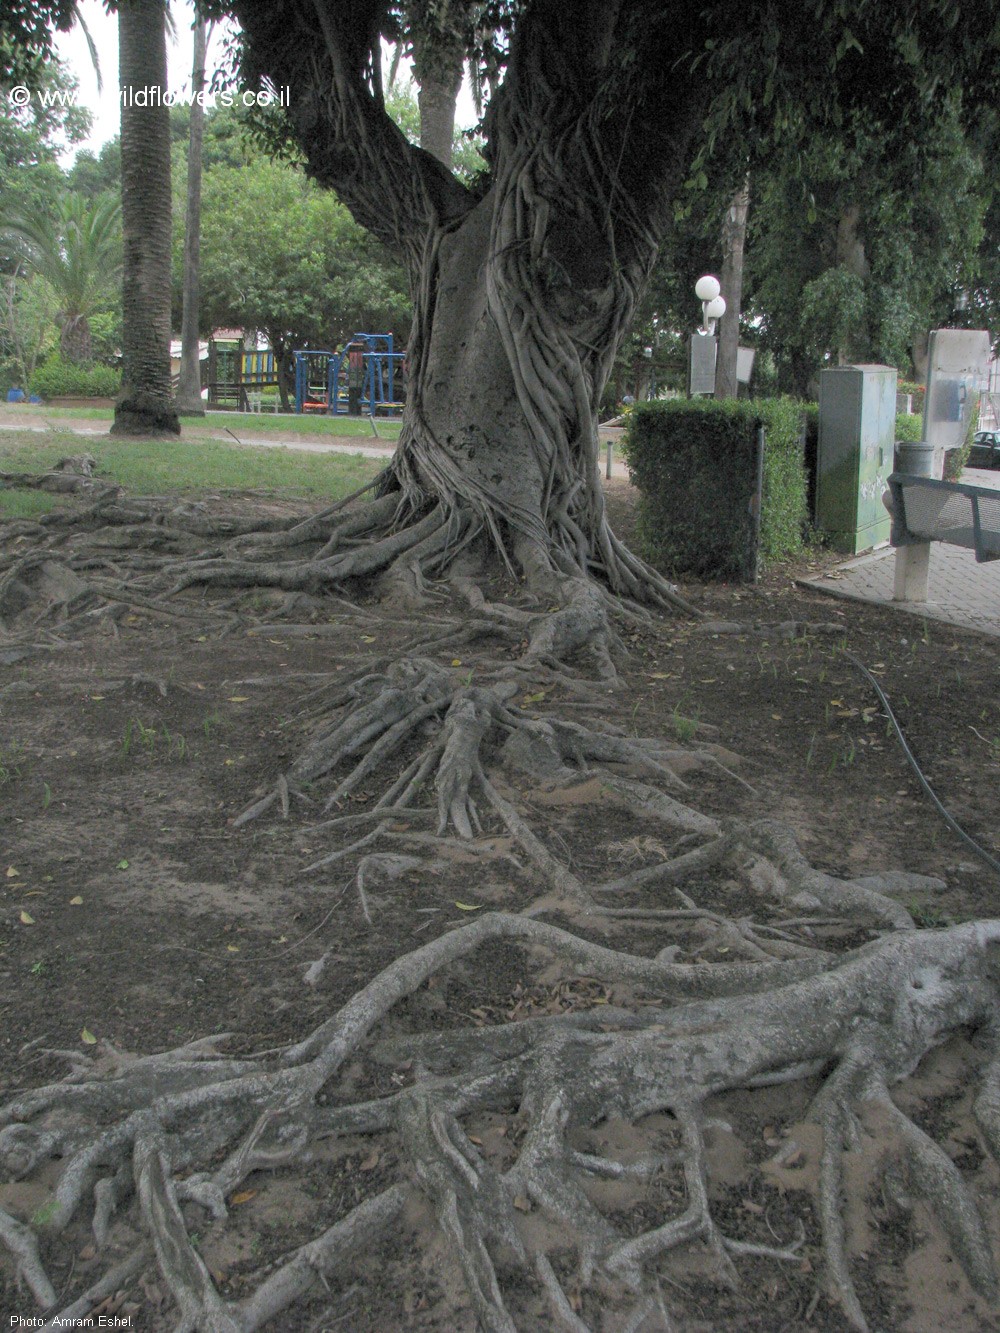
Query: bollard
[[607, 470], [913, 562]]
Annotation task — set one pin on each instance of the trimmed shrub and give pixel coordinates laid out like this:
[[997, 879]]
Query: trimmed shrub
[[694, 464], [909, 427], [56, 378]]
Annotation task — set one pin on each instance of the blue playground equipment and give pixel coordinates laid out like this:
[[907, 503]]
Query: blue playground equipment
[[361, 378]]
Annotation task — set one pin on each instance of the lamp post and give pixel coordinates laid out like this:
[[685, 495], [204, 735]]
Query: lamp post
[[701, 364], [713, 305]]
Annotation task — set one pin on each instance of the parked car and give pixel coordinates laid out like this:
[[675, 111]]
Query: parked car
[[985, 450]]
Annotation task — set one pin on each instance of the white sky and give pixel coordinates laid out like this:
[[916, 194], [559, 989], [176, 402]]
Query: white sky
[[103, 27]]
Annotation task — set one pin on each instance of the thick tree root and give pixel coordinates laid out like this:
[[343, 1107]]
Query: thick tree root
[[154, 1147], [178, 1141]]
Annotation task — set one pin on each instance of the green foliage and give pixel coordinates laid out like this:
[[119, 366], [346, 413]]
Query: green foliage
[[909, 427], [694, 464], [281, 255], [27, 328], [916, 392], [75, 245], [861, 242], [31, 139], [59, 378]]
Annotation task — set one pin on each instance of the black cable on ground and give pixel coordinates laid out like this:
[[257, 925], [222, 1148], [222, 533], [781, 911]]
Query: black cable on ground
[[946, 815]]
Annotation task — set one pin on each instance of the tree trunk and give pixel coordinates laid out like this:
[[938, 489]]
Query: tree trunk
[[74, 340], [438, 65], [436, 100], [189, 400], [522, 293], [145, 405], [734, 230], [282, 359]]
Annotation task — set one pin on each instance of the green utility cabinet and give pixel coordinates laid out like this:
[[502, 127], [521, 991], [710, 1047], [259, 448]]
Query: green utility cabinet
[[857, 436]]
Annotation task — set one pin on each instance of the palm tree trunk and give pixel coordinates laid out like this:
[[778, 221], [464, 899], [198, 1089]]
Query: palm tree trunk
[[145, 406], [189, 389]]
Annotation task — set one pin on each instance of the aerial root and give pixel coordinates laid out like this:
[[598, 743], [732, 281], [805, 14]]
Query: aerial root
[[938, 1181]]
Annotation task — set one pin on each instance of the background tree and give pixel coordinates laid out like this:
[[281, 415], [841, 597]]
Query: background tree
[[734, 230], [76, 248], [858, 246], [28, 311], [31, 139], [189, 386], [286, 259], [146, 402]]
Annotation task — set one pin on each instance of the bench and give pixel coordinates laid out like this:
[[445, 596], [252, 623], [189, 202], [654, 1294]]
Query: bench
[[926, 510]]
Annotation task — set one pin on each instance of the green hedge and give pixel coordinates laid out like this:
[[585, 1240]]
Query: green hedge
[[56, 378], [694, 464]]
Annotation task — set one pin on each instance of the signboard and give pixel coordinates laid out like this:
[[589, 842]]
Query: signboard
[[701, 364], [744, 364]]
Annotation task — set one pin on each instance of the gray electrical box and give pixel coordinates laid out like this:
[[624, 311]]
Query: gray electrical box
[[957, 367], [857, 433]]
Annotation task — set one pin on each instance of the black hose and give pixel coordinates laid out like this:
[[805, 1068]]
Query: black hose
[[946, 815]]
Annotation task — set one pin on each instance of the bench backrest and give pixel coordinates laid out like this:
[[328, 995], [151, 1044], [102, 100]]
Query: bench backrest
[[927, 510]]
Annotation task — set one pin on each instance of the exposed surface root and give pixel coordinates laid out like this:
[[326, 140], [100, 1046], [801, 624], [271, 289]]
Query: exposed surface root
[[193, 1136], [504, 1132]]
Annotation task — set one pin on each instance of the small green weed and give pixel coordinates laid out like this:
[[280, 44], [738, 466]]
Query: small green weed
[[137, 735], [685, 727], [11, 758], [928, 916], [212, 723], [44, 1215]]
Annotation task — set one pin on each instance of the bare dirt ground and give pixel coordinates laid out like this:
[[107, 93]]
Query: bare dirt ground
[[135, 916]]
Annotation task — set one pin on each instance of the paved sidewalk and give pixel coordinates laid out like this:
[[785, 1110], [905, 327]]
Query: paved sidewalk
[[960, 591]]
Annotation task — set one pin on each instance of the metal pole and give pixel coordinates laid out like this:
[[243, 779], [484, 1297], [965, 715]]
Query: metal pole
[[607, 471], [757, 501]]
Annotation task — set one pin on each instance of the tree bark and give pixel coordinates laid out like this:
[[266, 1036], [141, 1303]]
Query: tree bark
[[145, 405], [189, 389], [436, 100], [734, 230]]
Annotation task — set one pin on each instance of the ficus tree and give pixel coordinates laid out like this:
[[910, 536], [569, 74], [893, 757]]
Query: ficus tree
[[524, 284]]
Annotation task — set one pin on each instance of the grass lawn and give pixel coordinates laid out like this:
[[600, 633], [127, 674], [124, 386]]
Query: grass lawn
[[240, 423], [180, 467]]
